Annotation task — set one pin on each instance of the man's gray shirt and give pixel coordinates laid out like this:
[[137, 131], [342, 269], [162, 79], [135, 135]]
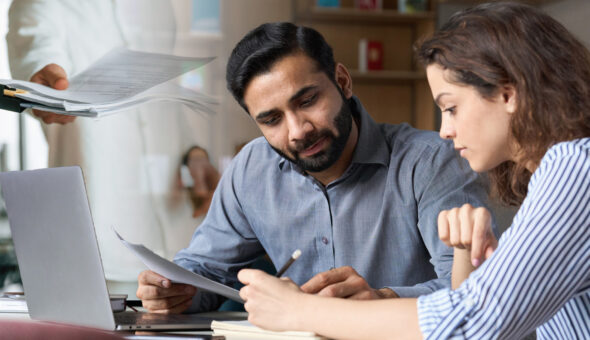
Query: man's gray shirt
[[380, 216]]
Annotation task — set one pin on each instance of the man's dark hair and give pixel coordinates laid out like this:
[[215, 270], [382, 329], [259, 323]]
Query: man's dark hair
[[265, 45]]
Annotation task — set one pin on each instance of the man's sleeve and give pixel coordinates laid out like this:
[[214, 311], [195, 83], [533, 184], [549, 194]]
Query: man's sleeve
[[35, 37], [442, 180], [224, 243]]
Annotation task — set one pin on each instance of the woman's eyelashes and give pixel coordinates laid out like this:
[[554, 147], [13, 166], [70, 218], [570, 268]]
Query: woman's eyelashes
[[450, 110]]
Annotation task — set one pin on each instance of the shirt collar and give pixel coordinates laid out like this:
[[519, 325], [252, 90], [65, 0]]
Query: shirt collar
[[371, 147]]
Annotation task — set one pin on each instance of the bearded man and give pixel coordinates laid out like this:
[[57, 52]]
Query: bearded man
[[359, 199]]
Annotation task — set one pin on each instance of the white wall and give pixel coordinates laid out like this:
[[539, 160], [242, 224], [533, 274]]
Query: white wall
[[35, 143], [238, 18], [574, 15]]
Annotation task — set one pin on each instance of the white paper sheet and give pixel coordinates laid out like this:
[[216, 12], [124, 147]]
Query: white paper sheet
[[176, 273], [120, 79], [13, 305]]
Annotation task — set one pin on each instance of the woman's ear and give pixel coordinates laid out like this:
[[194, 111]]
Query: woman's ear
[[510, 98], [344, 80]]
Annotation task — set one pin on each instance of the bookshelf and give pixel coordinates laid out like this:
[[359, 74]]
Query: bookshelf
[[397, 93]]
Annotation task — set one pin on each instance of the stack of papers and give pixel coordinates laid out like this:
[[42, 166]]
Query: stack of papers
[[245, 330], [117, 81], [10, 303]]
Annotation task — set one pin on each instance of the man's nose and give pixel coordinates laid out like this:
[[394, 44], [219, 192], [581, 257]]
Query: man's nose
[[299, 126]]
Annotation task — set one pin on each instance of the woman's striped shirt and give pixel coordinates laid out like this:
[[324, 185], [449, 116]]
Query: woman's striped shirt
[[539, 276]]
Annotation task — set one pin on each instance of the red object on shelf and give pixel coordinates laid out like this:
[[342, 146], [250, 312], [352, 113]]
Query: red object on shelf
[[370, 55], [369, 4], [374, 55]]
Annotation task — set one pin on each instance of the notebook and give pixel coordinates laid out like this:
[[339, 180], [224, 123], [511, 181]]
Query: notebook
[[59, 258], [245, 330]]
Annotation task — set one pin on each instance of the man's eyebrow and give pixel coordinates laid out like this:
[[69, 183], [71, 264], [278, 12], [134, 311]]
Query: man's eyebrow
[[265, 114], [302, 92], [260, 116], [437, 100]]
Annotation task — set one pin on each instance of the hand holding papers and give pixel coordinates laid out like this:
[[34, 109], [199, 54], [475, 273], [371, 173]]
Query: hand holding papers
[[176, 273], [117, 81]]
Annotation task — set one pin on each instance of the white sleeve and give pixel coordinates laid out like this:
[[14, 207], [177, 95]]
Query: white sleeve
[[36, 37]]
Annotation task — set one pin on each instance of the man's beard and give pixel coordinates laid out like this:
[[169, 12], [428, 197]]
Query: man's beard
[[325, 158]]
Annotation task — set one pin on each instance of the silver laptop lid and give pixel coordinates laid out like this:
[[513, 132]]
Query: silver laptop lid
[[56, 246]]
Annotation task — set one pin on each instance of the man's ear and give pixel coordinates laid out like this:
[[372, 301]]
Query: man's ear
[[510, 98], [344, 80]]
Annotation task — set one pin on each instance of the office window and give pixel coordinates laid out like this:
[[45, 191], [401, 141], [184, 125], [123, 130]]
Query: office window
[[205, 16], [22, 146]]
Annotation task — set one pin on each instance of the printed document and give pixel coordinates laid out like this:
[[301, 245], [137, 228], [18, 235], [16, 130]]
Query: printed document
[[120, 79], [246, 330], [176, 273]]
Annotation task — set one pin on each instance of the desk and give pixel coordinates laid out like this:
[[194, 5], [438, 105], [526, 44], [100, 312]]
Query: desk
[[219, 315]]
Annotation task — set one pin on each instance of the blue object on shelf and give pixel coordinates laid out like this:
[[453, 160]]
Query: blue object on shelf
[[328, 3]]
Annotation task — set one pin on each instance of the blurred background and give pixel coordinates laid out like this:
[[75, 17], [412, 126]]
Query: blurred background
[[372, 38]]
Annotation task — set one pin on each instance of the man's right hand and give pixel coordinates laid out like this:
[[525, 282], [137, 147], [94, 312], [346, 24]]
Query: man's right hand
[[54, 76], [160, 295]]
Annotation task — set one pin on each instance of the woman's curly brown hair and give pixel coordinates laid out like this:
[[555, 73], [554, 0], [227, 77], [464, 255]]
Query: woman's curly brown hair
[[498, 44]]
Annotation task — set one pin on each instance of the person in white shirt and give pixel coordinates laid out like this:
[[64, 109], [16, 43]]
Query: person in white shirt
[[131, 159]]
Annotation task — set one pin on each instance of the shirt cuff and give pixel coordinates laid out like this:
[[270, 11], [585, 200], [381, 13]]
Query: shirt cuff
[[410, 292], [196, 305], [432, 309], [442, 314]]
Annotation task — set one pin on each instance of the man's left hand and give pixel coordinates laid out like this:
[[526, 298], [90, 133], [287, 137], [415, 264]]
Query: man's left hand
[[345, 282]]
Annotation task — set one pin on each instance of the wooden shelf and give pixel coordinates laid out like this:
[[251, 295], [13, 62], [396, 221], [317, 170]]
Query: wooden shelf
[[357, 16], [386, 76], [475, 2], [398, 93]]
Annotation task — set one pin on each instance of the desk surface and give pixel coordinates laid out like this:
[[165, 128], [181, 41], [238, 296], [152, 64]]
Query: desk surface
[[220, 315]]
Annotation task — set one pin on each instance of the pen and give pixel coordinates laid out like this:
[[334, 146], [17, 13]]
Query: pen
[[294, 257]]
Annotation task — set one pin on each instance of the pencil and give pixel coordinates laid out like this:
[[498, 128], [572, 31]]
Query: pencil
[[294, 257]]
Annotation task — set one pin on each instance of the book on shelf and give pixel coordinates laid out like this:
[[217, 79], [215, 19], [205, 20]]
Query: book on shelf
[[370, 55], [412, 6], [328, 3], [368, 4]]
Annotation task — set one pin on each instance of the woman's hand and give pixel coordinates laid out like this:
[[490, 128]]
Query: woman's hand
[[469, 231], [272, 303]]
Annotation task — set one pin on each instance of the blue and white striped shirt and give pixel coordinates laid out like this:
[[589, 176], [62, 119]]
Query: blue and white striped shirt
[[539, 277]]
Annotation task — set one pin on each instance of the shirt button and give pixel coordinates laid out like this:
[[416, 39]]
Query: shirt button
[[325, 240], [469, 303]]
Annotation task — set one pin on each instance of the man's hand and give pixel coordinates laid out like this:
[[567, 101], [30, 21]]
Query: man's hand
[[159, 295], [54, 76], [468, 228], [345, 282]]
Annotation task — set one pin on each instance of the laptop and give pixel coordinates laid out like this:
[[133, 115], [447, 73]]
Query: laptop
[[59, 258]]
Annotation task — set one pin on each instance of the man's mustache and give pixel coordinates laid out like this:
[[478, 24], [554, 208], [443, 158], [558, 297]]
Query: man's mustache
[[310, 140]]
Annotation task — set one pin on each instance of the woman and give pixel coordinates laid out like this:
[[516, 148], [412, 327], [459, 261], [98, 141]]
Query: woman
[[513, 86]]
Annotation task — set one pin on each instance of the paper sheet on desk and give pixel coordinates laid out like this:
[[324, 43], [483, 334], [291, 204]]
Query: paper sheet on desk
[[12, 305], [176, 273]]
